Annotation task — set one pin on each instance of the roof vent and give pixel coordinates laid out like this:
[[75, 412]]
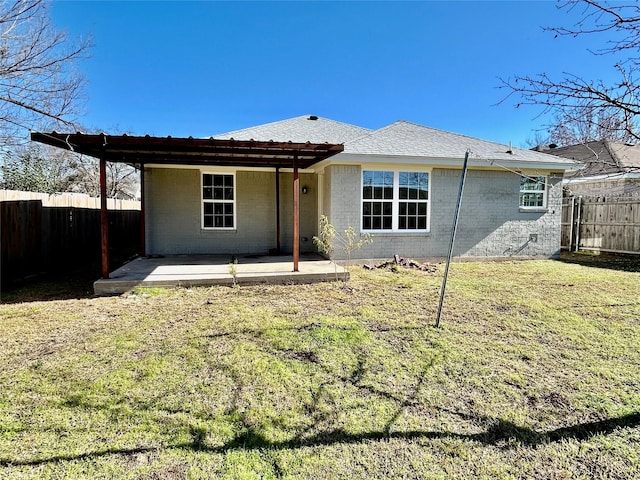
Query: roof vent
[[312, 117]]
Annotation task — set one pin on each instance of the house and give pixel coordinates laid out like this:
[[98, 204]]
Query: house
[[400, 183], [610, 168], [235, 192]]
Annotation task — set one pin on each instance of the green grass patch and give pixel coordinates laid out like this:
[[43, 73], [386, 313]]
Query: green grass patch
[[533, 374]]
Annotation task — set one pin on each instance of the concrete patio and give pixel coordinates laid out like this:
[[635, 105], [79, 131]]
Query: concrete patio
[[196, 270]]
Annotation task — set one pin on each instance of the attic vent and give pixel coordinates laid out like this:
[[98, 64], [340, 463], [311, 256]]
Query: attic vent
[[312, 117]]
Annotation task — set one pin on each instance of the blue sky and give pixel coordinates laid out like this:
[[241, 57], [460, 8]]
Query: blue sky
[[201, 68]]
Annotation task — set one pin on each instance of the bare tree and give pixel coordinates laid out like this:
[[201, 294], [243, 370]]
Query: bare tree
[[38, 84], [41, 168], [584, 124], [611, 106], [122, 179]]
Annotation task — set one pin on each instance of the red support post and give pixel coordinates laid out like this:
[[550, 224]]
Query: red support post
[[278, 209], [104, 218], [296, 214], [143, 239]]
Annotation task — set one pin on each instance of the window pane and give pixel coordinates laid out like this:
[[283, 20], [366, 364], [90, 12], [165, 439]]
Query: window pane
[[531, 200], [412, 215], [218, 180], [367, 178], [387, 208], [532, 183], [387, 223]]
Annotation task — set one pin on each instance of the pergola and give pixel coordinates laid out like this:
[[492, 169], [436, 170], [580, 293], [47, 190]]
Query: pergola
[[138, 151]]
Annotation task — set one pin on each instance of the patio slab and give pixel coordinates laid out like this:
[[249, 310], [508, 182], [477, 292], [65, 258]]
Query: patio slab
[[196, 270]]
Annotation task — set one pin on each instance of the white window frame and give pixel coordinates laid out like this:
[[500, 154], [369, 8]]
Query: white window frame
[[395, 201], [203, 200], [525, 191]]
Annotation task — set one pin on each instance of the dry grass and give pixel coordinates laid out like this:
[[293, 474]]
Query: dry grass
[[532, 375]]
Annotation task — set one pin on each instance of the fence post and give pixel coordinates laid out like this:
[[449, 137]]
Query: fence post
[[578, 219], [571, 220]]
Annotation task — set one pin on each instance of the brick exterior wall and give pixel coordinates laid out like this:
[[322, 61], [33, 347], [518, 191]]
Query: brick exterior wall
[[491, 223], [173, 214]]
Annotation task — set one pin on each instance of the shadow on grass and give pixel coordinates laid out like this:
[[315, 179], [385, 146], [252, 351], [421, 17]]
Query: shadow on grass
[[610, 261], [64, 284], [500, 433]]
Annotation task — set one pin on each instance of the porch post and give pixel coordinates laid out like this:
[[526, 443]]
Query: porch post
[[296, 214], [104, 218], [143, 233], [278, 209]]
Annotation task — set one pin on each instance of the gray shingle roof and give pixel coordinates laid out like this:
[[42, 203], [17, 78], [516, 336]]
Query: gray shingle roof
[[603, 157], [300, 130], [404, 138], [400, 139]]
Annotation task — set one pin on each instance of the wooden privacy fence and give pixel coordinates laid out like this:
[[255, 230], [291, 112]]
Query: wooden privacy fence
[[605, 224], [38, 238]]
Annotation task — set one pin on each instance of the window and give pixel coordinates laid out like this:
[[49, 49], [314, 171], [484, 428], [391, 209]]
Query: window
[[218, 201], [395, 201], [533, 192]]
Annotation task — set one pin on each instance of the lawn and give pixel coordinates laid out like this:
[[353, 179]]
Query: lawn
[[534, 373]]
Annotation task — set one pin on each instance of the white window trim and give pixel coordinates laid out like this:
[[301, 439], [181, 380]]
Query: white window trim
[[395, 207], [203, 200], [544, 194]]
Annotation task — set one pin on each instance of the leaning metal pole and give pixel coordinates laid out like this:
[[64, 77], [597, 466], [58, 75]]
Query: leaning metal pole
[[453, 236]]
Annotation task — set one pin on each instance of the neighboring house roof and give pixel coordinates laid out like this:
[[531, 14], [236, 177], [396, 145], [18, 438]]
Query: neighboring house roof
[[399, 139], [601, 158], [306, 128]]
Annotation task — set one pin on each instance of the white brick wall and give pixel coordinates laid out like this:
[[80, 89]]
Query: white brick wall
[[491, 223], [173, 214]]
